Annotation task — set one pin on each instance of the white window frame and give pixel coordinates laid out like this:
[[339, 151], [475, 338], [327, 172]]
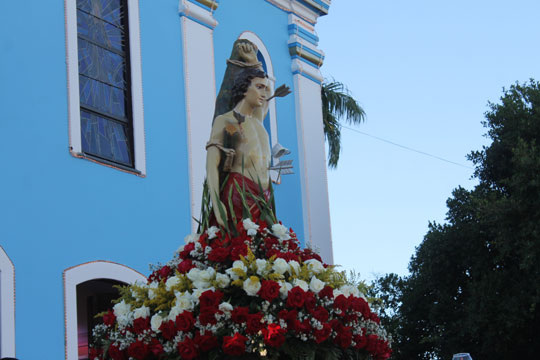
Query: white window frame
[[78, 274], [7, 306], [74, 109]]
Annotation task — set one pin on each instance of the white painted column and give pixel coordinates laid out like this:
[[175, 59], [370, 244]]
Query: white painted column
[[197, 24], [306, 59], [7, 306]]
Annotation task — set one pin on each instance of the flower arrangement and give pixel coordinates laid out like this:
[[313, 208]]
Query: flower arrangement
[[250, 292]]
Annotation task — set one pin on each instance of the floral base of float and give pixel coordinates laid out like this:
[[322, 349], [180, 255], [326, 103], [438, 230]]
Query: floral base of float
[[248, 291]]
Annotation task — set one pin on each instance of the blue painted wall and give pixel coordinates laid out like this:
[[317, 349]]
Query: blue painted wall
[[270, 24], [57, 211]]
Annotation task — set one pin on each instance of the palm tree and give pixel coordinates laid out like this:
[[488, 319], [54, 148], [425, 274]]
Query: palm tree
[[337, 104]]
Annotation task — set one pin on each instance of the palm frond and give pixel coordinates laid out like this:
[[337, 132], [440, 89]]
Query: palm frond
[[338, 104]]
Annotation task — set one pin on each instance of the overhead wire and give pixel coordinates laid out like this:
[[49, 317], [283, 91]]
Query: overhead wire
[[407, 148]]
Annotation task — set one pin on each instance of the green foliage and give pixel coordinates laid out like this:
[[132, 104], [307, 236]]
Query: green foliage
[[337, 104], [474, 282]]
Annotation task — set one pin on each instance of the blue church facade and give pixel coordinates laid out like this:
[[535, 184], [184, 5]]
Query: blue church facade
[[69, 216]]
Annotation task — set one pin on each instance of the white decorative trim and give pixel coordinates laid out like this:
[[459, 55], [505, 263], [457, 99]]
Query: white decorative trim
[[251, 36], [7, 306], [72, 61], [296, 8], [84, 272], [312, 157], [200, 92], [298, 66], [197, 13]]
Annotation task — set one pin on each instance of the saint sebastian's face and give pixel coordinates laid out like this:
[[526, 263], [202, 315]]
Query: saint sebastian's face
[[255, 95]]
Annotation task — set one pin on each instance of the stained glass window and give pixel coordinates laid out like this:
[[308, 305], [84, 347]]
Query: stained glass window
[[104, 88]]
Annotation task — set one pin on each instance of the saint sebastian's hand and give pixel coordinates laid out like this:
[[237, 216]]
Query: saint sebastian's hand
[[248, 52]]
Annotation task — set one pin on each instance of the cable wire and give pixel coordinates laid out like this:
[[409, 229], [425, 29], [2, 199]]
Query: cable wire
[[407, 148]]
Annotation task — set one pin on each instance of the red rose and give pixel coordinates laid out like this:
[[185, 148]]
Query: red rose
[[95, 353], [341, 303], [187, 349], [326, 292], [115, 353], [156, 348], [184, 254], [185, 266], [320, 313], [164, 272], [296, 297], [207, 316], [375, 318], [237, 251], [269, 290], [371, 346], [185, 321], [168, 329], [274, 335], [310, 301], [234, 345], [138, 350], [218, 254], [141, 324], [109, 318], [240, 314], [210, 299], [206, 342], [344, 337], [254, 323], [361, 341], [302, 326], [322, 334], [360, 305]]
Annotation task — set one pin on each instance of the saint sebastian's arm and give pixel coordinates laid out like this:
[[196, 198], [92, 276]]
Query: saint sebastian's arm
[[213, 158]]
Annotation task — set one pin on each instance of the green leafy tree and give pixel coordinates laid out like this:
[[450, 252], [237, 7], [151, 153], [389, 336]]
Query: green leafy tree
[[337, 104], [474, 283]]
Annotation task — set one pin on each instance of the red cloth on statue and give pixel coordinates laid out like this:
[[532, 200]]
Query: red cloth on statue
[[250, 187]]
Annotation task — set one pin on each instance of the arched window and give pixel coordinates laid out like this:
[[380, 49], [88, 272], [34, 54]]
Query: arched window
[[7, 306], [270, 122], [104, 80], [88, 290]]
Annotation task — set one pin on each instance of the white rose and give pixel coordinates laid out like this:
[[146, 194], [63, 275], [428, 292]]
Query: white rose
[[151, 290], [212, 231], [222, 280], [280, 266], [184, 300], [225, 307], [284, 289], [142, 312], [261, 266], [238, 264], [172, 281], [252, 286], [337, 293], [180, 249], [314, 265], [280, 231], [301, 283], [250, 227], [175, 311], [316, 285], [349, 290], [201, 279], [191, 238], [121, 309], [295, 267], [155, 322]]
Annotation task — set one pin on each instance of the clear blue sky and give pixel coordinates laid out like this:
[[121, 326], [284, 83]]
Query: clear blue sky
[[423, 71]]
